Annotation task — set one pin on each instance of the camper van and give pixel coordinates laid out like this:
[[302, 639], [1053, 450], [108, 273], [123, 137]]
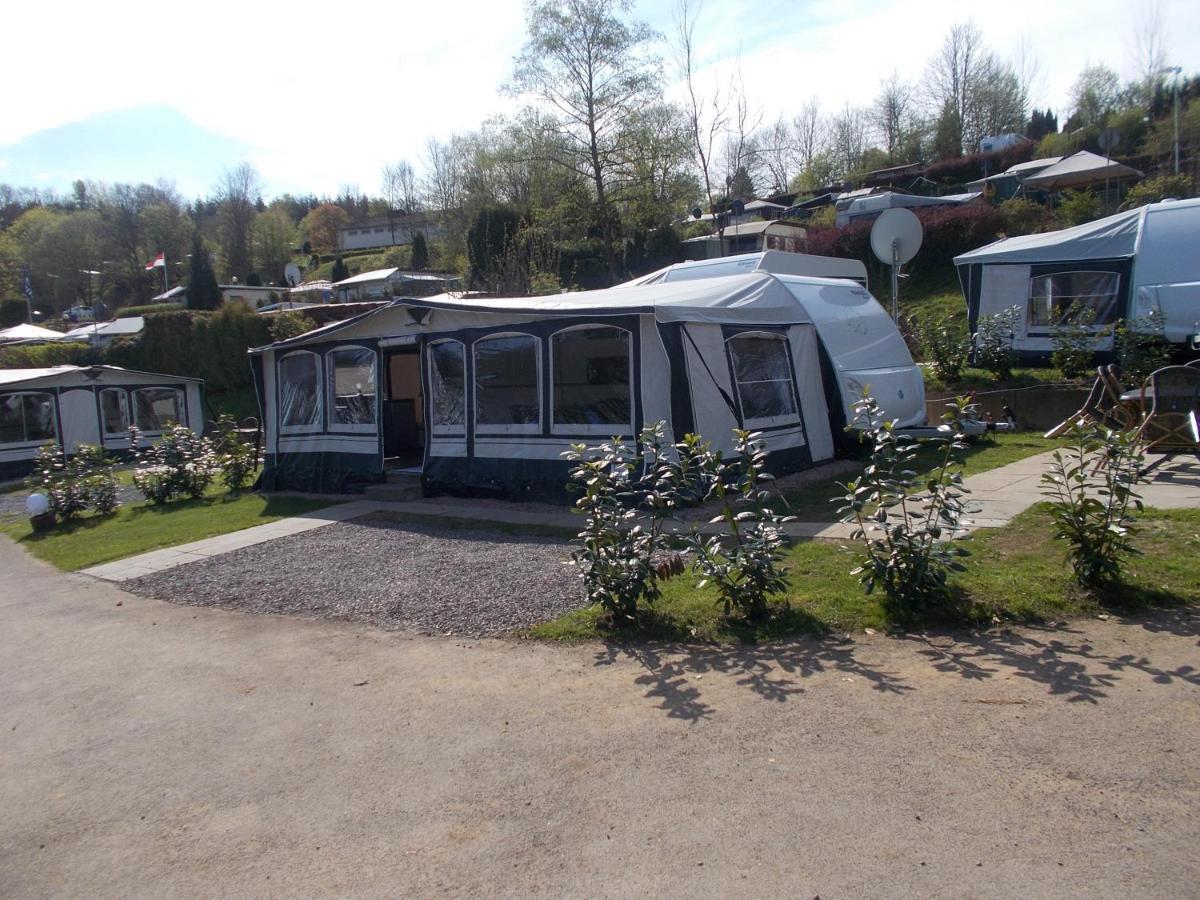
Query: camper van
[[1124, 266]]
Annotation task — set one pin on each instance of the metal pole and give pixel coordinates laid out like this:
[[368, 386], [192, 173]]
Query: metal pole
[[895, 282], [1176, 123]]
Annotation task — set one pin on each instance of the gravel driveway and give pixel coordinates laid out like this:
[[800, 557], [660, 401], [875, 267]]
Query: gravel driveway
[[391, 574]]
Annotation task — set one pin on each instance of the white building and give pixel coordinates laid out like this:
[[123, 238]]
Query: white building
[[383, 232]]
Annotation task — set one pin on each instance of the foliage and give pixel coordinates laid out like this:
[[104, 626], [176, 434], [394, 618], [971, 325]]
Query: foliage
[[907, 536], [994, 342], [488, 240], [1022, 216], [236, 459], [148, 309], [77, 483], [13, 312], [1140, 347], [203, 291], [180, 463], [40, 356], [1153, 190], [420, 252], [340, 271], [946, 347], [744, 565], [320, 227], [1074, 343], [1077, 207], [1092, 486], [290, 324]]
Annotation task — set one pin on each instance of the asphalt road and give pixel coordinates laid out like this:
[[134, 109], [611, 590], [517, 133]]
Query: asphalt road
[[157, 750]]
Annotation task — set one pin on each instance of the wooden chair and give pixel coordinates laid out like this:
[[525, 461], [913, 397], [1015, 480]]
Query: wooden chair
[[1170, 426], [1123, 414], [1100, 406]]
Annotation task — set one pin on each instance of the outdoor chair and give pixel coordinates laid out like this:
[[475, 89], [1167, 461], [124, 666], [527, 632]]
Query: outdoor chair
[[1170, 426], [1122, 413], [1098, 407]]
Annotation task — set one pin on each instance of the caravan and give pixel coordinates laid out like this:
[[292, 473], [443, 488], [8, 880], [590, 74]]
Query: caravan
[[484, 395], [1125, 266]]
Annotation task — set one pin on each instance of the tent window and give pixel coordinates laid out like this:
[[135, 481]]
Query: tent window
[[27, 418], [447, 386], [764, 378], [507, 383], [352, 380], [299, 391], [154, 408], [591, 379], [1065, 298], [114, 410]]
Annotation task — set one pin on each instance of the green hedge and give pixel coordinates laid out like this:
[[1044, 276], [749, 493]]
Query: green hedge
[[41, 356], [148, 309]]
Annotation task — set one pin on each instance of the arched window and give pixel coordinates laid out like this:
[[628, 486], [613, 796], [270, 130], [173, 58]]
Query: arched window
[[114, 411], [27, 418], [156, 407], [300, 392], [447, 387], [508, 384], [762, 374], [592, 367], [352, 389]]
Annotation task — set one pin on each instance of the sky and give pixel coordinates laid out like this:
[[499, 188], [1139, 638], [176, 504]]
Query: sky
[[134, 90]]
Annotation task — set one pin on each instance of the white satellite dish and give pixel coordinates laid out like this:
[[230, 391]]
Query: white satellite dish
[[895, 239], [291, 274]]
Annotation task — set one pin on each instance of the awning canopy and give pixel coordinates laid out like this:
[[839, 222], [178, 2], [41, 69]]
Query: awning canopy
[[1082, 169], [27, 332], [1113, 237]]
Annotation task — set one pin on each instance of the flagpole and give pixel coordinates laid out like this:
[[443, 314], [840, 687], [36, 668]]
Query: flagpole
[[166, 286]]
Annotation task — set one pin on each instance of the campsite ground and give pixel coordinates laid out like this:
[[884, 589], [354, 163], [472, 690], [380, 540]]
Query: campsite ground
[[201, 751]]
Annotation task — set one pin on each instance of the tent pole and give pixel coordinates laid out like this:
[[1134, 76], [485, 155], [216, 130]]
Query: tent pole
[[895, 283]]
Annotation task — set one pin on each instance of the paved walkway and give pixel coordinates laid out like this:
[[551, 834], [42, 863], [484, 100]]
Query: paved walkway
[[152, 749], [996, 497]]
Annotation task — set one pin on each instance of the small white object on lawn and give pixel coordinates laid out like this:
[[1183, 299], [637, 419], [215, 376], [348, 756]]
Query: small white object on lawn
[[37, 504]]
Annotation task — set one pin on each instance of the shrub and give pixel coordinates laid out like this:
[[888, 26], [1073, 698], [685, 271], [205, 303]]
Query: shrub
[[1153, 190], [1140, 347], [13, 312], [1023, 216], [43, 356], [744, 565], [1091, 485], [75, 484], [148, 309], [994, 340], [945, 346], [1075, 345], [1077, 207], [907, 535], [290, 324], [237, 458], [180, 463], [95, 470]]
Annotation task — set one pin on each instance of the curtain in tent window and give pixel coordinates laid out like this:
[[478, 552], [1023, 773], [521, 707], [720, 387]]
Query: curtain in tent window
[[447, 386], [154, 408], [507, 384], [27, 418], [352, 377], [591, 379], [1065, 298], [299, 391], [114, 411], [763, 377]]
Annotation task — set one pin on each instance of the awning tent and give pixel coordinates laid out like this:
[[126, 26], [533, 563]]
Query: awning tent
[[1123, 266], [485, 394], [27, 332], [1080, 170]]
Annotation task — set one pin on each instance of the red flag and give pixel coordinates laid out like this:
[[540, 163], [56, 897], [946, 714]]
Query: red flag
[[158, 263]]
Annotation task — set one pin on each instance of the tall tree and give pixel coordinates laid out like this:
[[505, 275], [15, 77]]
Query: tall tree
[[202, 291], [399, 192], [274, 243], [891, 114], [593, 70], [238, 192], [1149, 45], [811, 132], [420, 252], [1094, 95], [951, 80], [850, 138], [320, 227], [707, 114]]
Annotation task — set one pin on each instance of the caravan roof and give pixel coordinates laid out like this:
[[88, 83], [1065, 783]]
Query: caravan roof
[[776, 262]]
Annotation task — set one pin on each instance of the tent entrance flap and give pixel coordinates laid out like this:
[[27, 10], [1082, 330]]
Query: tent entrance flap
[[403, 409]]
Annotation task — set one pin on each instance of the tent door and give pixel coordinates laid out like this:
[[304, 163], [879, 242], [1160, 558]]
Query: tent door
[[403, 408]]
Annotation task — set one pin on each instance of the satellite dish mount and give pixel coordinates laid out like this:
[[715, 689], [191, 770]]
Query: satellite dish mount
[[895, 239]]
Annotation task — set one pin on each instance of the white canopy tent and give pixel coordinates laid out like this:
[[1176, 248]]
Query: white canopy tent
[[27, 332], [1079, 170]]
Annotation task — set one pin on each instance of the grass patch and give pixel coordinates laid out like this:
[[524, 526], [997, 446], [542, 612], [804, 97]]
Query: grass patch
[[139, 527], [813, 502], [1016, 573], [981, 379]]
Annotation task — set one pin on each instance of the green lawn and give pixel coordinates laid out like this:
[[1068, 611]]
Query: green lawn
[[812, 501], [139, 527], [1016, 573]]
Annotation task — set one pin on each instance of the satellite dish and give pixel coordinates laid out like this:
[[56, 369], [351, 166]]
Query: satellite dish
[[896, 236], [1109, 140], [895, 239], [291, 274], [696, 213]]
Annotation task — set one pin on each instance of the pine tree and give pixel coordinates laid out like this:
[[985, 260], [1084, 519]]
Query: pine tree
[[203, 291], [340, 271], [420, 252]]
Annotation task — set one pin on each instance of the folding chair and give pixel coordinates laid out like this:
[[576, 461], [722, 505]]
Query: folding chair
[[1123, 414], [1170, 426], [1096, 408]]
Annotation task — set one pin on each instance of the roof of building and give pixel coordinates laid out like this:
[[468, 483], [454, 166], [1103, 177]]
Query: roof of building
[[22, 376], [115, 328]]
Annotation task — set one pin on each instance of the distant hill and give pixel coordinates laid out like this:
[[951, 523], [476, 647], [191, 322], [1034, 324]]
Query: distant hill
[[139, 144]]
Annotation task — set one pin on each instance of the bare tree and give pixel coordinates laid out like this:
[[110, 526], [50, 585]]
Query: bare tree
[[891, 113], [706, 115], [443, 181], [811, 132], [777, 153], [740, 148], [850, 133], [238, 192], [400, 192], [1149, 45], [952, 78]]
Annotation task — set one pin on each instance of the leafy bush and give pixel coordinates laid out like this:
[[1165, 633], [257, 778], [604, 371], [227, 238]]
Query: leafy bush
[[43, 356], [236, 459], [180, 463], [994, 342], [1140, 347], [13, 312], [1077, 207], [1092, 486], [1153, 190], [1075, 345], [744, 565], [945, 346], [75, 484], [290, 324], [1023, 216], [907, 534]]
